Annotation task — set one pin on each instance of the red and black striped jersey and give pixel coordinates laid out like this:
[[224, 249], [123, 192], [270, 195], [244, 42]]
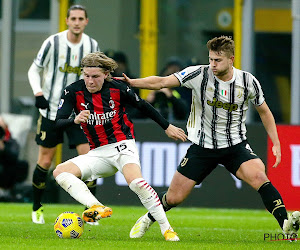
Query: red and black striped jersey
[[108, 121]]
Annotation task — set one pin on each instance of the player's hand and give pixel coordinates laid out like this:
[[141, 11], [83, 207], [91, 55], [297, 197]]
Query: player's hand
[[82, 117], [126, 79], [41, 102], [277, 153], [176, 133]]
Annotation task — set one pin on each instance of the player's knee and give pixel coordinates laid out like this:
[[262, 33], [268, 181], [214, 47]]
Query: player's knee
[[58, 170], [261, 177], [257, 179], [45, 163], [174, 200]]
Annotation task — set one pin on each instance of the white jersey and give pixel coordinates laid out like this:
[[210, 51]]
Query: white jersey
[[60, 60], [218, 110]]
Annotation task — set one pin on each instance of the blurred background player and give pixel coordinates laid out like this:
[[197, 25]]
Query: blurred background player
[[123, 66], [59, 59], [100, 103], [167, 101], [12, 169]]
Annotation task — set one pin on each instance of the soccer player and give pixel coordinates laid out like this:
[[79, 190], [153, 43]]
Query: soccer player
[[100, 103], [216, 127], [59, 59]]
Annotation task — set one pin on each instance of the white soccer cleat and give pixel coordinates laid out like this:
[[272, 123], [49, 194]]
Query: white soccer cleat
[[140, 227], [38, 216], [170, 235], [291, 225], [96, 223]]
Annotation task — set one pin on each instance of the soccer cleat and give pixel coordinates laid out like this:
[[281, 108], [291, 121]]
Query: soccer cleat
[[140, 227], [170, 235], [96, 223], [96, 212], [38, 216], [291, 225]]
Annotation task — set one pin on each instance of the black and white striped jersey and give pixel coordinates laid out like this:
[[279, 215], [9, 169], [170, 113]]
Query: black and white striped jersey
[[218, 110], [60, 61]]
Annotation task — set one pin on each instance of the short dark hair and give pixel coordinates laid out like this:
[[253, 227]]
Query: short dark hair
[[222, 43], [77, 7]]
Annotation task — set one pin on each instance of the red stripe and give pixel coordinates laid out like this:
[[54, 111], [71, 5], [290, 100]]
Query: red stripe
[[115, 96], [98, 108]]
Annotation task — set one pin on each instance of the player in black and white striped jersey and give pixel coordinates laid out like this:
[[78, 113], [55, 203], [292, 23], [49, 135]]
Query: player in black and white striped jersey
[[216, 127], [59, 61]]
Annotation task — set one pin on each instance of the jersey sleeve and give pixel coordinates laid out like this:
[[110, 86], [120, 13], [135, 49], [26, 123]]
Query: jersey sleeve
[[65, 109], [256, 94], [189, 76], [44, 53], [146, 108]]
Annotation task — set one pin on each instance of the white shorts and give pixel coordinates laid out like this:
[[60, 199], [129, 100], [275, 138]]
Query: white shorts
[[106, 160]]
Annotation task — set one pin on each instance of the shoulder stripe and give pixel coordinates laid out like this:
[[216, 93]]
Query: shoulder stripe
[[255, 85], [192, 75], [45, 53]]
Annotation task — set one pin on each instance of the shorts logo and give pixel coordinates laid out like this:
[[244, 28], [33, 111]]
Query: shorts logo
[[184, 161], [43, 135], [250, 149]]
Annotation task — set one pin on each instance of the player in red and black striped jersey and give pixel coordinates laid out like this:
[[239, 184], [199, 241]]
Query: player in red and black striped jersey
[[100, 102], [108, 121]]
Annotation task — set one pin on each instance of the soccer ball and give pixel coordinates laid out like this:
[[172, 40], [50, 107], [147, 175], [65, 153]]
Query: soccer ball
[[68, 225]]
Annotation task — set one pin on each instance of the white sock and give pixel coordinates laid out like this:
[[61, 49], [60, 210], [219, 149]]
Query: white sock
[[77, 189], [150, 200]]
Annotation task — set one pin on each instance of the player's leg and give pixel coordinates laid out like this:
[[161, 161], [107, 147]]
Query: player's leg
[[192, 170], [149, 199], [68, 176], [179, 189], [241, 161], [47, 139], [253, 173], [78, 140]]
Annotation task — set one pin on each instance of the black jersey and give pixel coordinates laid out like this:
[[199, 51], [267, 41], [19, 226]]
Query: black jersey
[[108, 121]]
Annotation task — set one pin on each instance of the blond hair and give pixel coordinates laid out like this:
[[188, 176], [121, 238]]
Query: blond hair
[[99, 60], [222, 44]]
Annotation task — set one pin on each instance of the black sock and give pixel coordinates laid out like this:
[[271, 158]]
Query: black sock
[[273, 202], [163, 199], [92, 187], [38, 185]]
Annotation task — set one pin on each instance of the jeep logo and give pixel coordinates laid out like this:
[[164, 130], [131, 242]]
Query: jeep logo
[[227, 106]]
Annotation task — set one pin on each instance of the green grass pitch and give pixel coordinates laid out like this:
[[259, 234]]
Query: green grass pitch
[[197, 228]]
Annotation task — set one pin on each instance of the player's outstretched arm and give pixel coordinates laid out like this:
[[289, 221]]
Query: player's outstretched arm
[[268, 121], [176, 133], [153, 82]]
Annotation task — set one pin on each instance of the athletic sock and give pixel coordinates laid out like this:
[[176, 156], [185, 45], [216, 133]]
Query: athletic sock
[[273, 202], [92, 187], [163, 198], [151, 202], [38, 185], [77, 189]]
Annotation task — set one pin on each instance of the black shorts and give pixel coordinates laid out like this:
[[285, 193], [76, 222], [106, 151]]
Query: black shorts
[[199, 162], [48, 137]]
